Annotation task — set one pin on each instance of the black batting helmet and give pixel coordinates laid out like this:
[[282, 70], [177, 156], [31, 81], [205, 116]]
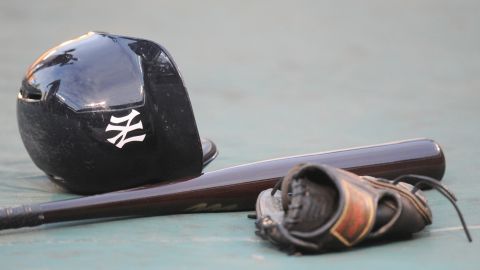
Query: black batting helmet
[[104, 112]]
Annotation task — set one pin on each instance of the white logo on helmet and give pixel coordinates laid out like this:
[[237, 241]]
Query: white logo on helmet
[[123, 130]]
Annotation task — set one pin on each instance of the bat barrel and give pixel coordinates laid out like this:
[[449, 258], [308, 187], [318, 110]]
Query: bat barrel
[[236, 188]]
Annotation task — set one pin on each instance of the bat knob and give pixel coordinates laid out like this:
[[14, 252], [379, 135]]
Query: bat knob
[[21, 216]]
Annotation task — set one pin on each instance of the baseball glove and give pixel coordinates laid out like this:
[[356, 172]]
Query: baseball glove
[[321, 208]]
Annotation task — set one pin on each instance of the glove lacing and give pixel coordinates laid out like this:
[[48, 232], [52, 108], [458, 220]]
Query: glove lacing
[[432, 182]]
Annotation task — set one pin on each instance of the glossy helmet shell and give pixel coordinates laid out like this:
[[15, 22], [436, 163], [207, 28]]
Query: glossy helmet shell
[[103, 112]]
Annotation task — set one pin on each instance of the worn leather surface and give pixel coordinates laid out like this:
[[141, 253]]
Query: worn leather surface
[[332, 209]]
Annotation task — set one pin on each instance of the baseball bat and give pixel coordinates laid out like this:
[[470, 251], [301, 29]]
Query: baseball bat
[[230, 189]]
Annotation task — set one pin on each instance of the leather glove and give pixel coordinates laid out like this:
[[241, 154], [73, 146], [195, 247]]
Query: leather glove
[[322, 208]]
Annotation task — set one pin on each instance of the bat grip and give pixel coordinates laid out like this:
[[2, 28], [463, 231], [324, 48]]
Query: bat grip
[[20, 216]]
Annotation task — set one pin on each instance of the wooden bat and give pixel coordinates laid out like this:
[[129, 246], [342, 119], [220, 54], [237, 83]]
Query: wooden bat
[[230, 189]]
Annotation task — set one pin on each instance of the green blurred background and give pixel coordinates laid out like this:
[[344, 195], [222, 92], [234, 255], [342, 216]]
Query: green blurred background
[[266, 79]]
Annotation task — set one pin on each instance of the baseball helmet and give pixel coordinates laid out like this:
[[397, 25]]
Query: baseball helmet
[[103, 112]]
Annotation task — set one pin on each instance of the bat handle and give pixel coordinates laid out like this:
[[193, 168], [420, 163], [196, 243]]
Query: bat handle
[[21, 216]]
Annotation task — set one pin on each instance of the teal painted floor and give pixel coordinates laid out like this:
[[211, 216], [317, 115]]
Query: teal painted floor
[[266, 80]]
